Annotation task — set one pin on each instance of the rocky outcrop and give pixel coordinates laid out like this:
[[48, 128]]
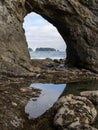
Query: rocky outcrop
[[13, 99], [76, 21], [73, 112], [45, 49], [14, 57], [81, 127], [30, 49], [91, 95]]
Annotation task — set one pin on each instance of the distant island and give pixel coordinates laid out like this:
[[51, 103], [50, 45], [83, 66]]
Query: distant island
[[45, 49], [30, 49]]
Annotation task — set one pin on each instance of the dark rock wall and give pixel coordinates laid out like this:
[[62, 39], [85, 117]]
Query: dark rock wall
[[76, 21], [13, 47]]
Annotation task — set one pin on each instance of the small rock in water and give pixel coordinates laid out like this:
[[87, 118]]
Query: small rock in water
[[34, 99]]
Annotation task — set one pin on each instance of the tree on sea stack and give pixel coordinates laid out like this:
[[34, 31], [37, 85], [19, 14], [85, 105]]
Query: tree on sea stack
[[45, 49]]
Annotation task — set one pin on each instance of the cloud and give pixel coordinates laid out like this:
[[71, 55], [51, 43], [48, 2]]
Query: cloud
[[40, 33]]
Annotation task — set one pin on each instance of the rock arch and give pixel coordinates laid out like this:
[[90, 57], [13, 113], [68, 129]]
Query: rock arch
[[76, 21]]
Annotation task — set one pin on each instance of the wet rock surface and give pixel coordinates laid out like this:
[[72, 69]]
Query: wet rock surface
[[74, 110], [13, 98], [56, 71], [48, 70]]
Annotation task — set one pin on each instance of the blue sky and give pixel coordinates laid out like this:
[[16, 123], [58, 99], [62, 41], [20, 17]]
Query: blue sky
[[40, 33]]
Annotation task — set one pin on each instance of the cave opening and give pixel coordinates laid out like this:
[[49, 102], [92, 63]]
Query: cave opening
[[43, 39]]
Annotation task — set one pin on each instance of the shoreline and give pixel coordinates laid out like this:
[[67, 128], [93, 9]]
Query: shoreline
[[48, 70]]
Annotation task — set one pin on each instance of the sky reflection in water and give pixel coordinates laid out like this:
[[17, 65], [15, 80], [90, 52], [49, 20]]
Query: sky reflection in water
[[49, 95]]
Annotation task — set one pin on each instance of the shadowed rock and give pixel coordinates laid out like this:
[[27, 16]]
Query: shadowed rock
[[76, 21], [91, 95]]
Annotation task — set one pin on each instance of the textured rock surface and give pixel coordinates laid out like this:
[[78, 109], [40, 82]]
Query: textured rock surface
[[74, 110], [91, 95], [81, 127], [13, 98], [76, 21], [14, 57]]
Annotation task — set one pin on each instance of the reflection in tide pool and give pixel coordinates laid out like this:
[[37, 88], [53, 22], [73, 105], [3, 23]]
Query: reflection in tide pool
[[49, 95]]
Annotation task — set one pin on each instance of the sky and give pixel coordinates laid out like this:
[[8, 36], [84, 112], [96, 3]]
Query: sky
[[40, 33]]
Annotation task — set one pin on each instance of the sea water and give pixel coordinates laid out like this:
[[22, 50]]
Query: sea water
[[47, 54]]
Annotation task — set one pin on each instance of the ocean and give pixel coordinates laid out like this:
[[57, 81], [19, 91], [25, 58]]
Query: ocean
[[47, 54]]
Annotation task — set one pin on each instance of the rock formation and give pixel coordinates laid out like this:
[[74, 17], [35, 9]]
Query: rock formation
[[74, 112], [91, 95], [45, 49], [30, 49], [76, 21]]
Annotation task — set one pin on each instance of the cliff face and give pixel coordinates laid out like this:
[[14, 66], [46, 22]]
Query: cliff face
[[14, 56], [76, 21]]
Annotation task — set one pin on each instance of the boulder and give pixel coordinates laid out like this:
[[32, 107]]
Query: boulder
[[72, 110], [91, 95]]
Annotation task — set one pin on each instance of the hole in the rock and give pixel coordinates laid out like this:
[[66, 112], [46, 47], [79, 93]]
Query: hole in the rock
[[44, 41]]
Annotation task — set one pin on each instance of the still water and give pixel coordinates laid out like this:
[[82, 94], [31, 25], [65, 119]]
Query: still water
[[13, 100], [49, 95]]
